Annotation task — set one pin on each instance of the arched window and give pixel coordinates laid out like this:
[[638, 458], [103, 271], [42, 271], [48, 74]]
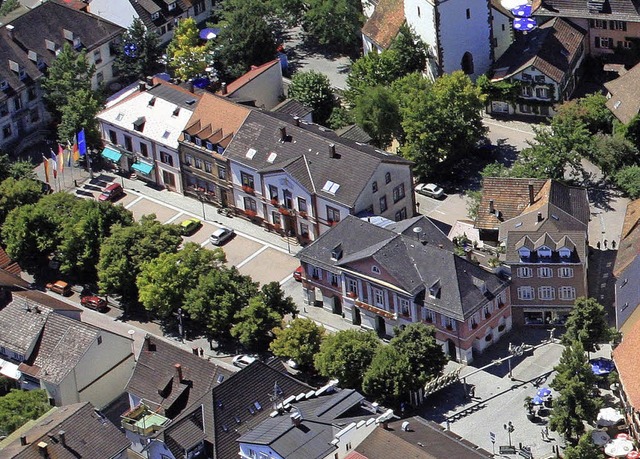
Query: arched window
[[467, 63]]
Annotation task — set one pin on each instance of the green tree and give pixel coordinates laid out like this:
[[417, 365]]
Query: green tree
[[164, 281], [217, 299], [274, 298], [378, 114], [80, 112], [585, 449], [411, 51], [612, 153], [575, 403], [554, 149], [340, 117], [20, 406], [8, 6], [473, 202], [16, 169], [138, 53], [443, 123], [299, 340], [313, 90], [15, 193], [123, 253], [246, 36], [333, 24], [346, 355], [417, 342], [587, 324], [591, 111], [186, 56], [69, 73], [628, 180], [387, 377], [371, 70], [254, 325]]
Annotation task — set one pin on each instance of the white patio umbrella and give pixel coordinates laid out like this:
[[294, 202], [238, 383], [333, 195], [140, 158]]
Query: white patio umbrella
[[600, 437], [609, 417], [618, 447], [511, 4]]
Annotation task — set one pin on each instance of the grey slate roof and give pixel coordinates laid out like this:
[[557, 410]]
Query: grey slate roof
[[155, 371], [355, 133], [622, 10], [21, 323], [413, 265], [173, 94], [575, 240], [88, 435], [145, 8], [292, 107], [305, 155], [183, 435]]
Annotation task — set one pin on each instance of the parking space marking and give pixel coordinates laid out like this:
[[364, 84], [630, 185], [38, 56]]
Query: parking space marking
[[174, 218], [134, 202], [282, 282], [248, 259]]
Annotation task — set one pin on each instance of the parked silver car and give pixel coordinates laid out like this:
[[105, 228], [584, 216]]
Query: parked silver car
[[221, 235], [429, 189]]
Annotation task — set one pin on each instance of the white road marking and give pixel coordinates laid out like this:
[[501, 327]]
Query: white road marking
[[134, 202], [248, 259], [283, 281], [174, 218], [508, 127]]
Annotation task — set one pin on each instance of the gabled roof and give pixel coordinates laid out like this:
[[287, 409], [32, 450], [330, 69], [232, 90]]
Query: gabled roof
[[215, 119], [575, 241], [550, 48], [87, 434], [510, 197], [252, 74], [629, 246], [8, 265], [306, 155], [621, 10], [165, 110], [292, 107], [251, 389], [624, 102], [21, 324], [355, 133], [625, 356], [155, 381], [385, 22], [145, 8], [423, 440], [414, 263]]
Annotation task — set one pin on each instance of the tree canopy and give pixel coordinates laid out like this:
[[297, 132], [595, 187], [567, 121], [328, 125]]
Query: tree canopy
[[126, 249], [584, 449], [628, 180], [378, 113], [387, 376], [313, 90], [138, 53], [187, 56], [15, 193], [15, 169], [255, 323], [587, 324], [591, 111], [346, 355], [299, 340], [20, 406], [333, 24]]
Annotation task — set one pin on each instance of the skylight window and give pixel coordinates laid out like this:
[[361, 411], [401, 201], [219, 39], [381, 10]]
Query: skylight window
[[220, 379], [166, 134], [257, 405], [518, 225], [120, 116], [330, 187], [272, 157], [251, 153]]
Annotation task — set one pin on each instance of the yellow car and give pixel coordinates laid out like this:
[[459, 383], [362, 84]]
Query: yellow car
[[190, 226]]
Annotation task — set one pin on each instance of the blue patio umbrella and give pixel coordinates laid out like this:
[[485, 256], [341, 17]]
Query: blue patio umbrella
[[201, 82], [209, 33], [522, 11], [524, 24], [601, 366], [544, 392], [537, 400], [131, 50]]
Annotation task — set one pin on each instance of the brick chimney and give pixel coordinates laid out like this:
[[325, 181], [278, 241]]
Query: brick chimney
[[296, 120], [223, 89], [332, 150], [147, 342], [63, 438], [178, 374], [296, 419], [540, 218], [10, 28], [491, 208], [531, 194], [42, 449], [283, 134], [23, 440]]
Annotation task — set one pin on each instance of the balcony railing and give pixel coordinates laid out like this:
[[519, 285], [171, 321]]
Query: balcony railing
[[376, 310]]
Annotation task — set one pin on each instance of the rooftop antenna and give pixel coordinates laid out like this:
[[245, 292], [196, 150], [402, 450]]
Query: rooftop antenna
[[276, 396]]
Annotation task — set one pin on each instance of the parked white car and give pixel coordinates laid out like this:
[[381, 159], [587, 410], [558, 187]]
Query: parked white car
[[242, 361], [221, 235], [429, 189]]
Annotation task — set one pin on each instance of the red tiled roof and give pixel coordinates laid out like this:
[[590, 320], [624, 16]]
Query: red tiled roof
[[629, 246], [355, 455], [250, 75], [385, 22], [7, 264], [510, 197], [626, 359]]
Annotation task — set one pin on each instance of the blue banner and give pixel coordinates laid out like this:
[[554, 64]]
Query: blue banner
[[82, 143]]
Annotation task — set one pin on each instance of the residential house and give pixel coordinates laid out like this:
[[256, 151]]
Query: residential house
[[417, 439], [73, 431], [383, 26], [501, 29], [141, 130], [544, 231], [73, 361], [627, 267], [609, 25], [388, 275], [208, 132], [622, 97], [323, 424], [159, 16], [546, 62], [458, 33], [231, 406], [625, 356], [302, 179], [27, 55], [260, 87], [166, 382]]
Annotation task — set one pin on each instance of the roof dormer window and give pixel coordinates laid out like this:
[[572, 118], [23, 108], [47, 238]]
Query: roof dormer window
[[198, 142], [187, 137], [155, 16], [77, 43], [524, 253], [375, 269], [434, 290], [544, 252], [564, 252], [209, 146], [51, 46], [68, 35], [172, 6]]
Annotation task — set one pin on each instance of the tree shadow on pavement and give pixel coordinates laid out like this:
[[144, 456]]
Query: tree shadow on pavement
[[601, 281], [601, 193]]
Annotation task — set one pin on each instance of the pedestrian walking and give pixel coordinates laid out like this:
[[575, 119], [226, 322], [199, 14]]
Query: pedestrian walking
[[201, 352], [598, 245], [613, 244], [542, 435], [605, 243], [472, 392]]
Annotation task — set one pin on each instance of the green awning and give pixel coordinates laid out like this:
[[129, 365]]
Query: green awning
[[143, 168], [111, 154]]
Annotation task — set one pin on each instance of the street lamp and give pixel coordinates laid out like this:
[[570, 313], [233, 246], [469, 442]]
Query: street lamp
[[509, 428]]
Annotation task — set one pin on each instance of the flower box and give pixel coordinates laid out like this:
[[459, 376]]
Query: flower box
[[474, 326], [331, 223], [500, 304], [248, 189], [501, 328], [429, 320], [303, 214], [487, 315], [352, 294], [250, 213], [284, 211], [277, 226], [449, 327], [274, 202]]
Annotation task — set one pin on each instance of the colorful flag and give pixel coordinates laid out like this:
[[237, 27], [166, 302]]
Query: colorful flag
[[61, 158], [45, 163], [54, 163], [76, 153], [68, 158], [82, 143]]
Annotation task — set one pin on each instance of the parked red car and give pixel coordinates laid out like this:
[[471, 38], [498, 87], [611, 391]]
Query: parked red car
[[94, 302], [297, 274], [111, 193]]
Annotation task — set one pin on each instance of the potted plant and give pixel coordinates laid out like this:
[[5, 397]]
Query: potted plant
[[284, 211], [247, 189], [428, 319], [474, 325], [528, 404], [487, 315], [449, 327], [277, 226], [352, 294], [250, 213], [274, 201], [303, 214]]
